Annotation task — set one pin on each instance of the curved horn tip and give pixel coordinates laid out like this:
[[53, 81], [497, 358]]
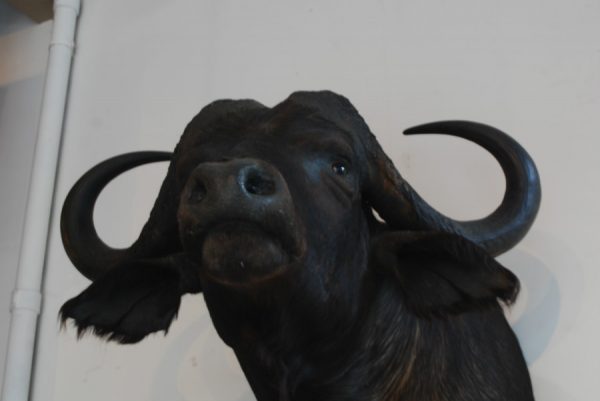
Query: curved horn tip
[[443, 127], [415, 130]]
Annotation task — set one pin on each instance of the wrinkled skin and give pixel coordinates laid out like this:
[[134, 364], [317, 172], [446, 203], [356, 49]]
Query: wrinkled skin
[[268, 212]]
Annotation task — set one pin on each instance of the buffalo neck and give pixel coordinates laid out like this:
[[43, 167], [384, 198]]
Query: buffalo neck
[[290, 350]]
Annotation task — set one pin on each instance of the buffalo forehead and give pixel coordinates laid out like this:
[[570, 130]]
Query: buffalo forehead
[[304, 119]]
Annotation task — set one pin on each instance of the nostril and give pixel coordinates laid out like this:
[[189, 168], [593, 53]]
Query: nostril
[[197, 192], [257, 182]]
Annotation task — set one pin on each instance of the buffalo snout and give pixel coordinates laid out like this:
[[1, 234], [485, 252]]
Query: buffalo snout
[[251, 184], [238, 217]]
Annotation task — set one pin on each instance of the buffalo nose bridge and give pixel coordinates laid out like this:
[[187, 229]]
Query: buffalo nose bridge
[[240, 180]]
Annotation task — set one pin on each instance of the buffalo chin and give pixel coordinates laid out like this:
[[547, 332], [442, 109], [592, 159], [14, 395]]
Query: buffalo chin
[[240, 253]]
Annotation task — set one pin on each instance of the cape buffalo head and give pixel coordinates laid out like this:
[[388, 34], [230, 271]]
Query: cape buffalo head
[[273, 205]]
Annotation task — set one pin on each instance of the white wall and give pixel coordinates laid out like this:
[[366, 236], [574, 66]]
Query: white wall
[[144, 68], [23, 52]]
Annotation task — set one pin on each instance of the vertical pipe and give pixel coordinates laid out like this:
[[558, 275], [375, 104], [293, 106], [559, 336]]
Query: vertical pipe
[[27, 297]]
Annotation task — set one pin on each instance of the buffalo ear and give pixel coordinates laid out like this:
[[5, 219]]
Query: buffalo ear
[[439, 273], [129, 302]]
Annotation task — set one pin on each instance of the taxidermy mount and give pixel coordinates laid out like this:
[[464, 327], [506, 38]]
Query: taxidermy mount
[[270, 214]]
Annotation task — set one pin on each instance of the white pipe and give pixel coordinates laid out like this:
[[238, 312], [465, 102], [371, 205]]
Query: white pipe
[[27, 297]]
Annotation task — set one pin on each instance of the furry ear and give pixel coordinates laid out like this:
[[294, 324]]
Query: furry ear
[[441, 273], [129, 302]]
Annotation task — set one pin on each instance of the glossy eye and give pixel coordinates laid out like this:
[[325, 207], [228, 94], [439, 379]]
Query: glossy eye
[[340, 168]]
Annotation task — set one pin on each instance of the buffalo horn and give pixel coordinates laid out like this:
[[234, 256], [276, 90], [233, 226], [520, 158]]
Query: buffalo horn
[[87, 251], [402, 208]]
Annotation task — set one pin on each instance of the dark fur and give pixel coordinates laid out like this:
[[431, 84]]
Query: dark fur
[[364, 312]]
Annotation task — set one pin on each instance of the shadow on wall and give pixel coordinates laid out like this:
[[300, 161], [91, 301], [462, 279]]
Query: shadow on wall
[[539, 321], [196, 367], [549, 303], [551, 292], [19, 111]]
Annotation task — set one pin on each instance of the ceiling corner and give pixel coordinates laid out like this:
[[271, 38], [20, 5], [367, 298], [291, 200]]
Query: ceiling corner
[[37, 10]]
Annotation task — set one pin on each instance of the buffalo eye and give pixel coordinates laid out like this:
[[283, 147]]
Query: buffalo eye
[[340, 168]]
